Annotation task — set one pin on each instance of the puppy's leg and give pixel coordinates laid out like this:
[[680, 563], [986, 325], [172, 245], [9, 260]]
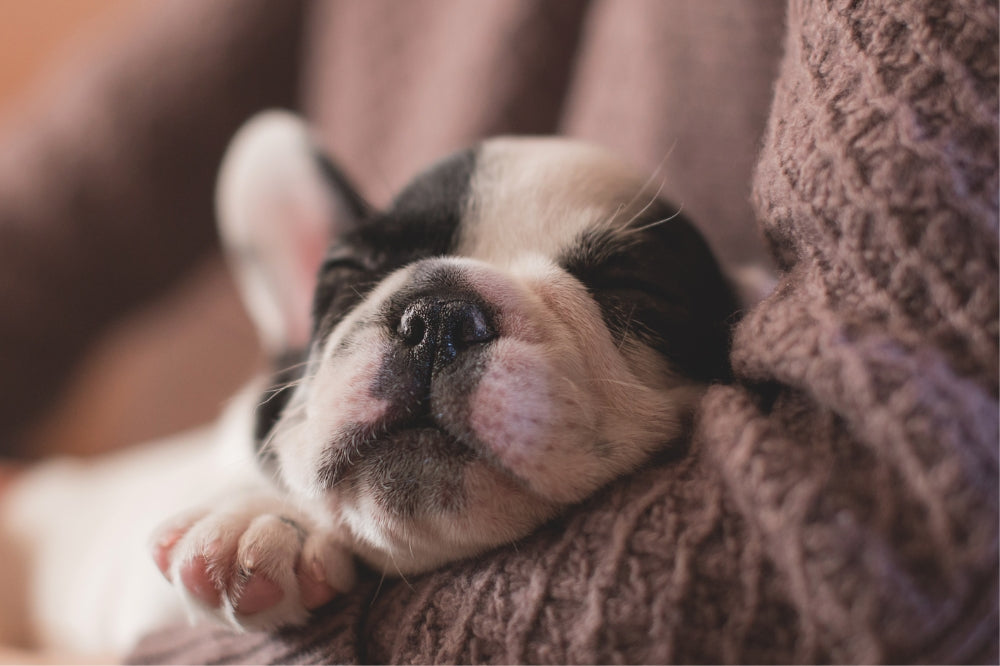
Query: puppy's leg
[[255, 561]]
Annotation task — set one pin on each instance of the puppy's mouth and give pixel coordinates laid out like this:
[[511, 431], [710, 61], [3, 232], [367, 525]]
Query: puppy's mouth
[[406, 465]]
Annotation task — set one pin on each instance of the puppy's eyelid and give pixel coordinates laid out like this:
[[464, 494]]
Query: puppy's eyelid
[[349, 262], [596, 247], [631, 284]]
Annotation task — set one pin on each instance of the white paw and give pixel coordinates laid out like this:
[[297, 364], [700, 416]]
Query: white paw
[[253, 563]]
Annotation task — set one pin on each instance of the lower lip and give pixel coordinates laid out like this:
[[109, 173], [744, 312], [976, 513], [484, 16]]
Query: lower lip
[[424, 439], [420, 445]]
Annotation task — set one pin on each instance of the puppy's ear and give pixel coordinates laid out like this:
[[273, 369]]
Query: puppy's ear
[[280, 203]]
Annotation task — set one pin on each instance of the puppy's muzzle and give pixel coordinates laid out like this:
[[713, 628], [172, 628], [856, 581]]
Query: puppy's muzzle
[[435, 331], [432, 359]]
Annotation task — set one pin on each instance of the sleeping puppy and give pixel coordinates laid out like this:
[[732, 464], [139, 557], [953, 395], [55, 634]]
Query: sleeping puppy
[[523, 324]]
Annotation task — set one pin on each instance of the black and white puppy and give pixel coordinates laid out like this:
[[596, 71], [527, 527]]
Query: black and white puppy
[[525, 322]]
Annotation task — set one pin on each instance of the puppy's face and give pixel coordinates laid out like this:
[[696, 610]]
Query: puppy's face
[[524, 323]]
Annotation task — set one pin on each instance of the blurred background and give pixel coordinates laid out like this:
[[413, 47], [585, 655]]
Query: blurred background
[[135, 383], [34, 34]]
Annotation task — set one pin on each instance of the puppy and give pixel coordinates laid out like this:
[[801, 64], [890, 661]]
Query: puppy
[[525, 322]]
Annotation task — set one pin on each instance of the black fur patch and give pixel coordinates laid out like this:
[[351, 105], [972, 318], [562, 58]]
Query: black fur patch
[[422, 222], [658, 282]]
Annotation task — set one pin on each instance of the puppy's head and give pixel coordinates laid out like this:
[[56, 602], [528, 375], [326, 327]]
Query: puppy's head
[[525, 322]]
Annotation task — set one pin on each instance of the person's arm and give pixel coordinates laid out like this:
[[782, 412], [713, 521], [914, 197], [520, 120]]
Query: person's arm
[[106, 182]]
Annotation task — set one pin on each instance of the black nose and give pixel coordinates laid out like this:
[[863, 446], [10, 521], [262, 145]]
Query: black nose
[[437, 330]]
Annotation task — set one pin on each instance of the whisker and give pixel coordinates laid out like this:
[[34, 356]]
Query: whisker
[[274, 390], [293, 366], [289, 419], [652, 200], [650, 225], [377, 590], [271, 391], [621, 207], [392, 557], [367, 286], [655, 173], [628, 329]]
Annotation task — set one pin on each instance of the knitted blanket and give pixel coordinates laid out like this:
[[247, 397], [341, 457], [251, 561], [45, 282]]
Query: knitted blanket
[[839, 500]]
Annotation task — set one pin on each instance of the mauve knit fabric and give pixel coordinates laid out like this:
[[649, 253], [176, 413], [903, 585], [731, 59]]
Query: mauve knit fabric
[[839, 500]]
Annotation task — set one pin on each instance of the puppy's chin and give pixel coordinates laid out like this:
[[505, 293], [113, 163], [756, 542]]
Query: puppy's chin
[[452, 508], [412, 494], [408, 471], [416, 495]]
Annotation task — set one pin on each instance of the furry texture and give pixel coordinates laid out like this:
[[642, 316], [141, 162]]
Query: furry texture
[[839, 501]]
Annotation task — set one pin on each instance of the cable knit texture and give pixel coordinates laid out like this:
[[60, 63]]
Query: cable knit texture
[[839, 500]]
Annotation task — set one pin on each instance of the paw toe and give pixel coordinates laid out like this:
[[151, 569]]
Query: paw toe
[[195, 576], [258, 594], [313, 588], [255, 570]]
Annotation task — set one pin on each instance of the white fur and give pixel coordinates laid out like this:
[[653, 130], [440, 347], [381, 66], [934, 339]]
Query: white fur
[[538, 193]]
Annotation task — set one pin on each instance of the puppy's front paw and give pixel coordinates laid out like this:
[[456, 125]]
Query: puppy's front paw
[[257, 566]]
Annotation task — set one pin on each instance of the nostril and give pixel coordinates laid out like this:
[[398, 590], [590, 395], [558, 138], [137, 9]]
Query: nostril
[[442, 328], [412, 327], [473, 325]]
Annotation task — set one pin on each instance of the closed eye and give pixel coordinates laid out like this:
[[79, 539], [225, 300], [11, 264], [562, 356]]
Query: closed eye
[[344, 263], [662, 285], [628, 284], [343, 278]]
